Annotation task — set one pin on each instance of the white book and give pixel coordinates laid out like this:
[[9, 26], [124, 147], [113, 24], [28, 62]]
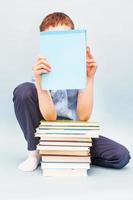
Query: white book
[[66, 165], [68, 128], [87, 132], [66, 139], [69, 148], [81, 144], [47, 136], [64, 172]]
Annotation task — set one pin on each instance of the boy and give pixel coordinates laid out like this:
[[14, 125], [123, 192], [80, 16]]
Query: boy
[[32, 104]]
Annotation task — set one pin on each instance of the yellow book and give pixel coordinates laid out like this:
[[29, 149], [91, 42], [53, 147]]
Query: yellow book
[[65, 152]]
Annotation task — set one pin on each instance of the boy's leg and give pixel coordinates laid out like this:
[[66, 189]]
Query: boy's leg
[[28, 115], [27, 112], [108, 153]]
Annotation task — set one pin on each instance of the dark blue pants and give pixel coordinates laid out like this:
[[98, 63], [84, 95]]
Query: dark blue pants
[[105, 152]]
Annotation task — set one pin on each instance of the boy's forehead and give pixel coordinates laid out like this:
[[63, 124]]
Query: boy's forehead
[[58, 27]]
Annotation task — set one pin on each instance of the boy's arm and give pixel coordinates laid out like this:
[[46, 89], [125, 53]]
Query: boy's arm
[[46, 104], [85, 98], [85, 102]]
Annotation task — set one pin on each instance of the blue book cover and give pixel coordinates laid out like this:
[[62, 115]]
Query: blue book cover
[[66, 53]]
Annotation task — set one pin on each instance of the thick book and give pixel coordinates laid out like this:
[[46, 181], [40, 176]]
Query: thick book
[[66, 53], [66, 159]]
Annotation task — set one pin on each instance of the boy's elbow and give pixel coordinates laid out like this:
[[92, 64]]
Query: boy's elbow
[[83, 117], [51, 117]]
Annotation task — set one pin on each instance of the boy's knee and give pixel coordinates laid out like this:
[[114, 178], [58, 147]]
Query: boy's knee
[[121, 158], [23, 91]]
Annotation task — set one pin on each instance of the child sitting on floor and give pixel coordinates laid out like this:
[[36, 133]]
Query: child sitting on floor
[[33, 104]]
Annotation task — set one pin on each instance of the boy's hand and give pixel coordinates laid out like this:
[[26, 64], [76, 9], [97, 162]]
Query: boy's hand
[[41, 66], [90, 64]]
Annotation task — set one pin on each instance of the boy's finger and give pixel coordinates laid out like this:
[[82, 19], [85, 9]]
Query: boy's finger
[[88, 53], [42, 71], [92, 60], [92, 65], [43, 62], [44, 67]]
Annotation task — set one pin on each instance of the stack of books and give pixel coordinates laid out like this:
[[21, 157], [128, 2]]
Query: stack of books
[[65, 146]]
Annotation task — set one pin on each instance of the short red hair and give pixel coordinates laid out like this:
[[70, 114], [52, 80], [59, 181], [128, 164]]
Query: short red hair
[[55, 19]]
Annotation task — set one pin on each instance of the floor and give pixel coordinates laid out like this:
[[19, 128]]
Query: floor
[[101, 183]]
